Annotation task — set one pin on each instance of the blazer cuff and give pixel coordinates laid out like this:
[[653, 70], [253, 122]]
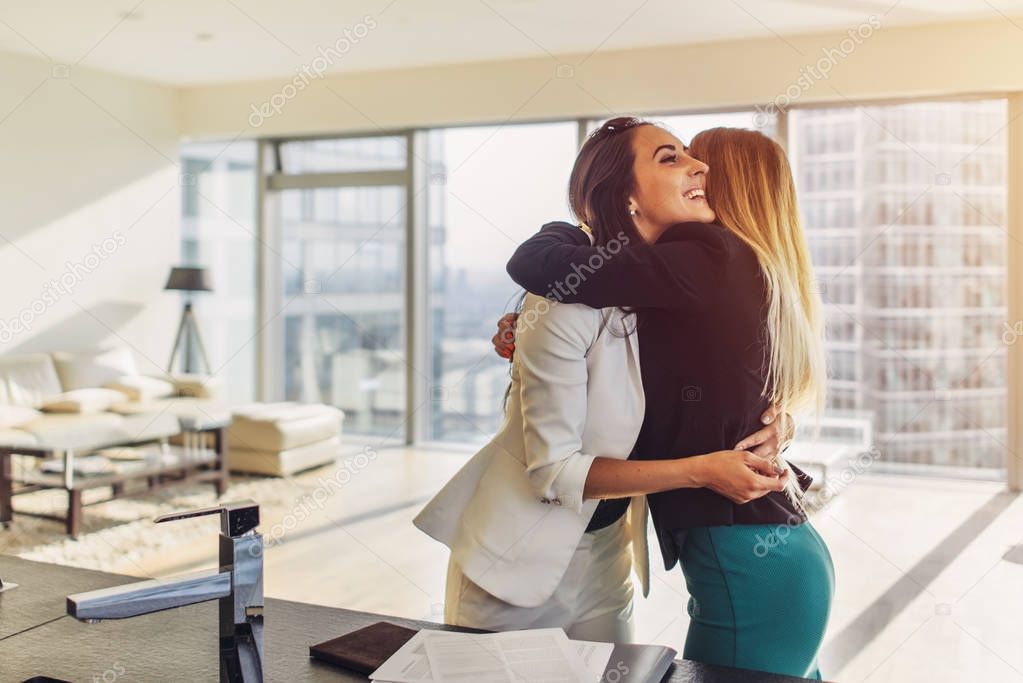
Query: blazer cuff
[[567, 488]]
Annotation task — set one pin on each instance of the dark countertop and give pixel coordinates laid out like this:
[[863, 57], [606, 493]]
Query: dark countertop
[[38, 638]]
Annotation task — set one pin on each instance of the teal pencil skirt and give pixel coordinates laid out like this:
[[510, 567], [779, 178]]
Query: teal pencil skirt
[[760, 596]]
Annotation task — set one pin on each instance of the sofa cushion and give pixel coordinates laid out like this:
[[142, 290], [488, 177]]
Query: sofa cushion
[[279, 426], [83, 401], [88, 369], [27, 379], [83, 432], [16, 438], [13, 416], [142, 387], [174, 405], [68, 430], [197, 386]]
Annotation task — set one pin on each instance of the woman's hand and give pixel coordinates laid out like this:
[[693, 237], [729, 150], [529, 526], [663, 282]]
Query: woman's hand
[[504, 340], [773, 438], [739, 476]]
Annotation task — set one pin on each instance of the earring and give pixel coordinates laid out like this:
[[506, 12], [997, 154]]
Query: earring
[[633, 212]]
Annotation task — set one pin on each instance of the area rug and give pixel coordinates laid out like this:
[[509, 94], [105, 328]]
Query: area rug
[[120, 536]]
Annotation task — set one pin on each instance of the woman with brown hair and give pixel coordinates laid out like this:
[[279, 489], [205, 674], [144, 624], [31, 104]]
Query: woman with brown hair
[[729, 322], [531, 546]]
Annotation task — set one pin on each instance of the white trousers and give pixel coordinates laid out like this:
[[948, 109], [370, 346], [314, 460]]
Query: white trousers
[[592, 602]]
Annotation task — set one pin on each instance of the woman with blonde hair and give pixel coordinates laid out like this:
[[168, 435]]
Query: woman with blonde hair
[[729, 322]]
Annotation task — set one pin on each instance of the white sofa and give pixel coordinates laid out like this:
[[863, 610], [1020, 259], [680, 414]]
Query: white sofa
[[85, 401], [74, 404], [59, 400]]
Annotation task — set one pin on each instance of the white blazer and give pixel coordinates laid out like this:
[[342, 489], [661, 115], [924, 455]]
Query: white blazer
[[514, 513]]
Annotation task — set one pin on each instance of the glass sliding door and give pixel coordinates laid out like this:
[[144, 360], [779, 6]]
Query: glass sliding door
[[342, 254]]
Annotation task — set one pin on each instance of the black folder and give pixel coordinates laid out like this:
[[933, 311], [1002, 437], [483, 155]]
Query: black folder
[[363, 650]]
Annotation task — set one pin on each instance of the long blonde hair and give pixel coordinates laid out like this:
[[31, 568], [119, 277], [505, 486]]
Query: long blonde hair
[[751, 190]]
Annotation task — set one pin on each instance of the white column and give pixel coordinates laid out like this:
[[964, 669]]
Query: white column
[[419, 392], [1014, 243]]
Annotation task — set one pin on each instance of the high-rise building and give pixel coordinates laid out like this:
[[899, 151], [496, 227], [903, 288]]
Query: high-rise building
[[904, 207]]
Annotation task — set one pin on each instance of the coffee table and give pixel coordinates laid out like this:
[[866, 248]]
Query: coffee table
[[158, 462]]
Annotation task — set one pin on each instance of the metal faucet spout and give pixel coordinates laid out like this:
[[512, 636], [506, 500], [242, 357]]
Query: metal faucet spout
[[144, 597]]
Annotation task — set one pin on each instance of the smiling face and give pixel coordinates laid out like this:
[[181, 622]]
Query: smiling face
[[669, 184]]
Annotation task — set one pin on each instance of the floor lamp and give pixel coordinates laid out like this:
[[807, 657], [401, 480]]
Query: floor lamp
[[188, 280]]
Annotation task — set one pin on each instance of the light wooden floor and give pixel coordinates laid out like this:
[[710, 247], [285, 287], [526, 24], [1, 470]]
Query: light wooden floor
[[929, 575]]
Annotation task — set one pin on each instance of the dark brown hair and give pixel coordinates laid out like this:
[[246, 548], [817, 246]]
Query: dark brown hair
[[602, 180]]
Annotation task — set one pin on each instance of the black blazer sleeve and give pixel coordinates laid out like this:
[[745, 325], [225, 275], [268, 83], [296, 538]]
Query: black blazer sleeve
[[680, 271]]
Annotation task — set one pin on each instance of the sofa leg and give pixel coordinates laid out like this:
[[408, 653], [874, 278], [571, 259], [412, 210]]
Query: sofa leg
[[6, 474], [74, 513], [220, 447]]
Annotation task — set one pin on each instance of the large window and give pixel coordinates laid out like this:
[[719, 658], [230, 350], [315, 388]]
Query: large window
[[905, 212], [490, 188]]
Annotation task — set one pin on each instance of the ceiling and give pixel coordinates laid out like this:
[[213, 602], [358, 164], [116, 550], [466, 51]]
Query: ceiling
[[190, 42]]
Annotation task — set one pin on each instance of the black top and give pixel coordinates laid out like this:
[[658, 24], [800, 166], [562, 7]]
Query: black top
[[608, 511], [703, 350]]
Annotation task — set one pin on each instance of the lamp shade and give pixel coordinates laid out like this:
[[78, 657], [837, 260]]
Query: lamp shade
[[189, 280]]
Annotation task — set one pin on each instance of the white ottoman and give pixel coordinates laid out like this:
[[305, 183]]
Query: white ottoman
[[283, 438]]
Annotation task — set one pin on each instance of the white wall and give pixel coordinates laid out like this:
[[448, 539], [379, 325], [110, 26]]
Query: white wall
[[968, 57], [86, 158]]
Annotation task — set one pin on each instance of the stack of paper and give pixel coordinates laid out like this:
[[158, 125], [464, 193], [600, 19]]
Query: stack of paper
[[536, 655]]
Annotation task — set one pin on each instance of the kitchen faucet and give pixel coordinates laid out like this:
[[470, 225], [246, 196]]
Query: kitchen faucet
[[237, 583]]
